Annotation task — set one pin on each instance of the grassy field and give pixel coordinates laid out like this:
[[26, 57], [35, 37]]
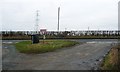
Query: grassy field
[[43, 46], [111, 61]]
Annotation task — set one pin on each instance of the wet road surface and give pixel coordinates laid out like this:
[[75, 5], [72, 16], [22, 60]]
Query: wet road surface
[[86, 56]]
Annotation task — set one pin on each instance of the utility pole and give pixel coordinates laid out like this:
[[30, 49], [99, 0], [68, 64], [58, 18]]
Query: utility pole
[[58, 17], [88, 28]]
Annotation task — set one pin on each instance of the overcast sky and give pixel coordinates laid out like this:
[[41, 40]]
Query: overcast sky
[[74, 14]]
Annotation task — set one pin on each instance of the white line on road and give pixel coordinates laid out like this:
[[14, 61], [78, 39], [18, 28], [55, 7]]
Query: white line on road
[[7, 42], [101, 42]]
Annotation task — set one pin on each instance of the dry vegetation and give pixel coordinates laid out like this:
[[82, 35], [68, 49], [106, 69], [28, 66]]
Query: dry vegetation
[[111, 61], [43, 46]]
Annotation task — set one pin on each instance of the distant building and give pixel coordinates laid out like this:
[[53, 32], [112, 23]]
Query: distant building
[[43, 31]]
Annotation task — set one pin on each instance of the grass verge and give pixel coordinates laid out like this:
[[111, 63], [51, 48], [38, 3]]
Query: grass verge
[[111, 61], [59, 37], [42, 47]]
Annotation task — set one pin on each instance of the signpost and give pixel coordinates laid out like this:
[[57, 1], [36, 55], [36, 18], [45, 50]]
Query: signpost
[[43, 32], [44, 38]]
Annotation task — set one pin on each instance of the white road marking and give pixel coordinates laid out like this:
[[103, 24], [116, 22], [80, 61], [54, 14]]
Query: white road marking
[[7, 42], [102, 42]]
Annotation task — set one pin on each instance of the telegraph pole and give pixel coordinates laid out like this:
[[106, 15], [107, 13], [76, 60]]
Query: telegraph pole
[[88, 28], [58, 17]]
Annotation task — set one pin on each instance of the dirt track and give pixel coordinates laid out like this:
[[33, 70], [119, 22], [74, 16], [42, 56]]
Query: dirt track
[[85, 56]]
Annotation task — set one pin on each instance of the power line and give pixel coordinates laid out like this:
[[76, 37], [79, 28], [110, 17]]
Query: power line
[[37, 20]]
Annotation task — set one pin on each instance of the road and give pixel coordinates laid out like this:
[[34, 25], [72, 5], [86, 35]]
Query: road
[[85, 56]]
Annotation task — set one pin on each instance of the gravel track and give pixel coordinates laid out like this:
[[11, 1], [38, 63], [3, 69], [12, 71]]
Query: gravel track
[[86, 56]]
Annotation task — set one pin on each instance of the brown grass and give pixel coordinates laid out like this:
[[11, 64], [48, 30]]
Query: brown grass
[[43, 46], [111, 61]]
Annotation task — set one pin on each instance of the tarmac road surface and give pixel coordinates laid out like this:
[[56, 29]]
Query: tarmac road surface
[[85, 56]]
